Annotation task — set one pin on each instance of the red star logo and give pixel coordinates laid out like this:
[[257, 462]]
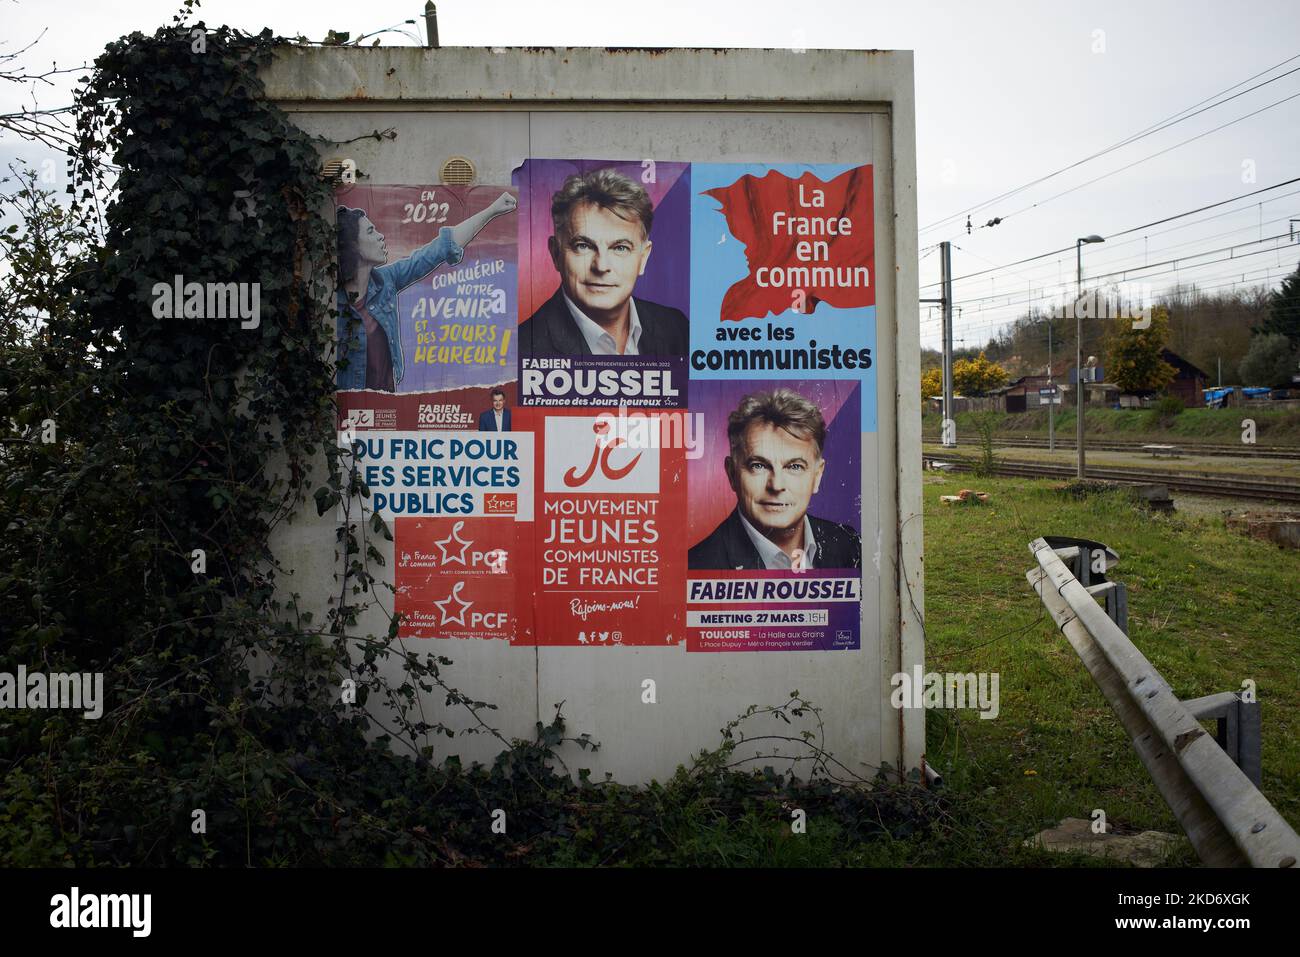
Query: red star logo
[[448, 547], [459, 617]]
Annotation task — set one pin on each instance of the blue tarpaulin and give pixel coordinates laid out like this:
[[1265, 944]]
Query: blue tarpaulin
[[1217, 398]]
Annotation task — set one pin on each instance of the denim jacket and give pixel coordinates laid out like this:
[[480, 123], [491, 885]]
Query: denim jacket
[[381, 301]]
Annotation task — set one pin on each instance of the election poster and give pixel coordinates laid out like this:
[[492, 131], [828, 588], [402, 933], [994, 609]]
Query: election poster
[[783, 262], [604, 283], [457, 502], [461, 474], [454, 577], [775, 556], [608, 558], [427, 304], [619, 403]]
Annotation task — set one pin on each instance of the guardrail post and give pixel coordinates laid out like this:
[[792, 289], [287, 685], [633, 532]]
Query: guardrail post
[[1117, 606], [1079, 554], [1226, 730], [1237, 728], [1082, 567], [1249, 739]]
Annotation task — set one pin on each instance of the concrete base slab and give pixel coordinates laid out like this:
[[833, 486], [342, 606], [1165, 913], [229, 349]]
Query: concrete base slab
[[1147, 849], [1283, 530]]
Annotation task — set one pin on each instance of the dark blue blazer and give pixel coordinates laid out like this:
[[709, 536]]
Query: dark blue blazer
[[729, 547], [552, 330], [487, 422]]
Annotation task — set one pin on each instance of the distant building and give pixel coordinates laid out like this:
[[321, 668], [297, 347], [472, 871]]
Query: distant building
[[1189, 385], [1023, 394]]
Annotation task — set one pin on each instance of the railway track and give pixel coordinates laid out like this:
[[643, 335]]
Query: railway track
[[1189, 448], [1200, 484]]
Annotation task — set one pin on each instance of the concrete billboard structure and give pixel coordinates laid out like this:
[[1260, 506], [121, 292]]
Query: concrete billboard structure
[[631, 344]]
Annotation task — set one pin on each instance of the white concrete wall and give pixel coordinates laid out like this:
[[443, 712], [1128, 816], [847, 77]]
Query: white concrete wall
[[500, 107]]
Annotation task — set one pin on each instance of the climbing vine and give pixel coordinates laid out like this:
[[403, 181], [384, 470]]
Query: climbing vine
[[139, 543]]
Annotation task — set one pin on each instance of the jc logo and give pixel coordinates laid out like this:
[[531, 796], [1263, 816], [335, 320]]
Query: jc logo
[[600, 456]]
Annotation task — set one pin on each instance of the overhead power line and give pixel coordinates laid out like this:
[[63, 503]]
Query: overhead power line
[[1138, 162], [1148, 131], [1185, 273], [1260, 276], [1125, 232], [1187, 267], [1169, 262], [1135, 260], [1037, 276]]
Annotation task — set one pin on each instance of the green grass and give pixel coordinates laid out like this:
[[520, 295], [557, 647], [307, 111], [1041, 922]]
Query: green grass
[[1207, 607], [1273, 426]]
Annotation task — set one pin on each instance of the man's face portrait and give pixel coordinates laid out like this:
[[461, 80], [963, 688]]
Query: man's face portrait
[[599, 258], [498, 403], [774, 477]]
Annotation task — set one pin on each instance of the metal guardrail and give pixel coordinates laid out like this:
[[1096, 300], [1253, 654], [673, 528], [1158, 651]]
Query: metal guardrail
[[1229, 822]]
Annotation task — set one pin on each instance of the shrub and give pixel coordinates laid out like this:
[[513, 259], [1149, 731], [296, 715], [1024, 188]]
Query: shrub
[[1166, 408], [986, 424]]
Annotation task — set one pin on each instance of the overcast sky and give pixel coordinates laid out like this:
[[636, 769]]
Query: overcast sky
[[1006, 92]]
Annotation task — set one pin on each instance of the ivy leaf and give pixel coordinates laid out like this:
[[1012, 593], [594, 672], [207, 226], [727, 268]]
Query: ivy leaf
[[325, 498]]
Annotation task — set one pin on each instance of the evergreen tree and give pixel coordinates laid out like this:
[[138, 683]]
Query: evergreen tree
[[1284, 311], [1270, 362]]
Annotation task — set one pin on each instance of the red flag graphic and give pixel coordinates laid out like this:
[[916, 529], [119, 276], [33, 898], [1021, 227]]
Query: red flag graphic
[[805, 241]]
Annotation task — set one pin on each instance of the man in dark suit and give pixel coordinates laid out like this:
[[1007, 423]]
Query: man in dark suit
[[601, 243], [775, 466], [497, 418]]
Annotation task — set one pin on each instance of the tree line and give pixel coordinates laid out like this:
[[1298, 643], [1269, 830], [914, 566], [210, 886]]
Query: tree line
[[1241, 336]]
